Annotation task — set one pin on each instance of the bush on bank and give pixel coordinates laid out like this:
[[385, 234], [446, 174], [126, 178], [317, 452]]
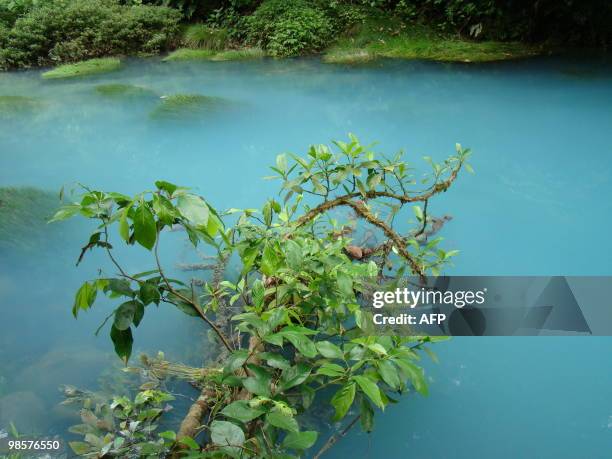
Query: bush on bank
[[62, 31]]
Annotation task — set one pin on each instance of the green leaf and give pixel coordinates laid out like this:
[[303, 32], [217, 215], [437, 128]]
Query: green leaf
[[190, 443], [275, 360], [282, 421], [168, 187], [242, 411], [377, 348], [294, 376], [414, 373], [235, 360], [293, 253], [149, 293], [124, 226], [164, 209], [301, 342], [258, 293], [122, 340], [168, 435], [281, 162], [84, 298], [225, 433], [389, 373], [300, 440], [276, 339], [366, 415], [145, 231], [331, 369], [119, 287], [370, 388], [343, 399], [257, 385], [139, 313], [329, 350], [194, 209], [418, 212], [65, 213], [345, 284], [79, 447], [269, 260], [124, 315]]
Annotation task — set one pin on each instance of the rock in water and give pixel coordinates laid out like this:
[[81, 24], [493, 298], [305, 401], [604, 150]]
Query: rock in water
[[24, 409]]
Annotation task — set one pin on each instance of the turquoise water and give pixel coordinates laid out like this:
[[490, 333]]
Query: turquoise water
[[539, 204]]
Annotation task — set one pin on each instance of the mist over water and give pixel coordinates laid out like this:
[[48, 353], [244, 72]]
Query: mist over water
[[539, 204]]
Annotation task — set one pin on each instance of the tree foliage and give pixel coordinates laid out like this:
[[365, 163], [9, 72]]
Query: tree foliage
[[292, 327]]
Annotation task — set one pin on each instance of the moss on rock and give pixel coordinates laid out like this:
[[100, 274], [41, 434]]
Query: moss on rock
[[84, 68], [12, 105], [123, 91], [24, 213], [187, 105]]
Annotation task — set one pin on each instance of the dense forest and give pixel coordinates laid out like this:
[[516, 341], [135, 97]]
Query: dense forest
[[47, 32]]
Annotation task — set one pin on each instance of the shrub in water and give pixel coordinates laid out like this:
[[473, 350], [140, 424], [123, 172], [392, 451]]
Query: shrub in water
[[69, 31], [289, 28]]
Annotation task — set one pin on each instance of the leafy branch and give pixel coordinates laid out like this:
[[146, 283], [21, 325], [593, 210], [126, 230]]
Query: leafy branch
[[301, 332]]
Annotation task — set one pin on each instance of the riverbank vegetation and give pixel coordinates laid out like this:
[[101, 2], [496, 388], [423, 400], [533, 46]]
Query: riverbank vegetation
[[292, 331], [39, 33], [84, 68]]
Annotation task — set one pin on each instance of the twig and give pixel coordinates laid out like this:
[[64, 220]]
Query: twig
[[336, 437]]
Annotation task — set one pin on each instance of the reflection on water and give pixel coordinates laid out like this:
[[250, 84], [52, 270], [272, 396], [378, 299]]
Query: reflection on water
[[538, 204]]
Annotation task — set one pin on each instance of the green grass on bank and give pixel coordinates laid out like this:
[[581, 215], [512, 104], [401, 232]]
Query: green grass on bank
[[187, 54], [84, 68], [392, 39]]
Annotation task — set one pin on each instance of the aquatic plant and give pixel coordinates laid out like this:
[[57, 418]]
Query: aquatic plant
[[12, 105], [24, 212], [122, 91], [84, 68], [182, 105], [121, 426], [205, 37], [293, 326]]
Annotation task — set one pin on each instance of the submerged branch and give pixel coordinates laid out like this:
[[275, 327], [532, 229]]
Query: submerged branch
[[336, 437]]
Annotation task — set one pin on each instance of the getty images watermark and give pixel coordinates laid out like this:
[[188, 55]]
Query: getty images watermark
[[410, 298], [492, 306]]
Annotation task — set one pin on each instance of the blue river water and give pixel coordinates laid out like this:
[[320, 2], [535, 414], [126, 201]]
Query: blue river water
[[538, 204]]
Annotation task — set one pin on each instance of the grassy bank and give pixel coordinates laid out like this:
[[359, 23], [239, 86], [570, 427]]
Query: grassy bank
[[392, 39], [84, 68], [188, 54]]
